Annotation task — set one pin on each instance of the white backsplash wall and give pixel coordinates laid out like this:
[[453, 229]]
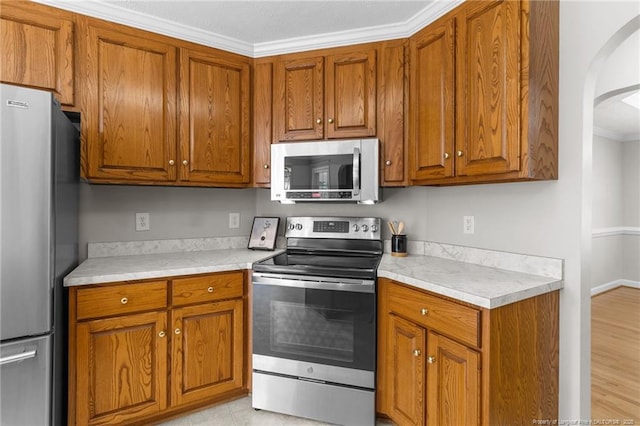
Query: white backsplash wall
[[107, 212], [406, 204]]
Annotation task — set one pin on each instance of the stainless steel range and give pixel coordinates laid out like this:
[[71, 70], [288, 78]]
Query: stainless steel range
[[314, 321]]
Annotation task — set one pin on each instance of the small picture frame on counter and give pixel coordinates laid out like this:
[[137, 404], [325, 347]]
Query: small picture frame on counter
[[264, 233]]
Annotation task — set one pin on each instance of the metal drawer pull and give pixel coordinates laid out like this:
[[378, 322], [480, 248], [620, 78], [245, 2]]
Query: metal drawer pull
[[124, 300], [17, 357], [416, 352], [446, 155], [459, 153], [210, 289], [177, 331], [185, 163], [424, 311], [330, 120], [318, 121], [162, 334], [387, 163], [431, 359]]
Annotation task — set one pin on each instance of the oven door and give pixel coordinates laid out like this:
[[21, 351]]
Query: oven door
[[320, 328]]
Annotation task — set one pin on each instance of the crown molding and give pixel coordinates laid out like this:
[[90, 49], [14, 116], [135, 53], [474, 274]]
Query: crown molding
[[114, 13], [404, 29]]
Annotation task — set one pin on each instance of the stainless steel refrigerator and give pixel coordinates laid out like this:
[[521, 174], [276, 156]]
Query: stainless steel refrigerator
[[39, 172]]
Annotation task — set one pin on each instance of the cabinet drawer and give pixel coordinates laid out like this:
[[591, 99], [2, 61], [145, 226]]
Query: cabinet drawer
[[207, 288], [120, 299], [446, 317]]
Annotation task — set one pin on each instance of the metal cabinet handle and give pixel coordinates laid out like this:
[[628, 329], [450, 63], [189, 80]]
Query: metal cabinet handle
[[446, 155], [171, 162], [387, 163], [266, 166], [210, 289], [416, 352], [162, 334], [124, 300], [459, 153], [424, 311], [177, 331], [330, 120], [431, 359], [185, 163], [17, 357], [319, 120]]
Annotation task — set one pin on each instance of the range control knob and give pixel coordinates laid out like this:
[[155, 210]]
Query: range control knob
[[291, 226], [365, 228], [374, 228], [355, 227], [298, 226]]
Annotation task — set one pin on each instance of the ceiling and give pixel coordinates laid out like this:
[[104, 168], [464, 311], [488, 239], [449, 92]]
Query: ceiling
[[615, 119], [262, 28]]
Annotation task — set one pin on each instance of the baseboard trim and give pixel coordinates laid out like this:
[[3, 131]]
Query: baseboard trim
[[614, 284]]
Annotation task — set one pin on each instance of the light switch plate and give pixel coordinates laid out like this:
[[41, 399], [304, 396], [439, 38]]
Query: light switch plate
[[468, 224], [234, 220]]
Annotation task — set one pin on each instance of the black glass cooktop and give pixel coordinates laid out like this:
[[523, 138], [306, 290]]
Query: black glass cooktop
[[339, 265]]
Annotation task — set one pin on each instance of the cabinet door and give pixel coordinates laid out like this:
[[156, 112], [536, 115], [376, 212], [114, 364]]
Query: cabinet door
[[262, 121], [37, 49], [391, 113], [453, 387], [406, 371], [488, 139], [207, 351], [121, 368], [298, 102], [129, 113], [214, 118], [351, 94], [432, 98]]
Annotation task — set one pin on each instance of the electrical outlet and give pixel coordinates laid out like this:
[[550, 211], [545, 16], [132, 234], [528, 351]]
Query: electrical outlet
[[234, 220], [142, 221], [468, 224]]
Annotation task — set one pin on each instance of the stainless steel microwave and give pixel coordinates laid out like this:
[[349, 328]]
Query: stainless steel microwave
[[334, 171]]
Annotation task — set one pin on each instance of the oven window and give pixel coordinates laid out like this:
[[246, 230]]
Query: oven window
[[322, 326], [307, 330]]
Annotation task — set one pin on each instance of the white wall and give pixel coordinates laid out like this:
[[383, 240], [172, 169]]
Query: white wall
[[608, 183], [620, 72], [631, 183], [107, 212]]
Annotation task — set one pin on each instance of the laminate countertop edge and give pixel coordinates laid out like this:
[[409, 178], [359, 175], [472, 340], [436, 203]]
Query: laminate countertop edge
[[482, 286]]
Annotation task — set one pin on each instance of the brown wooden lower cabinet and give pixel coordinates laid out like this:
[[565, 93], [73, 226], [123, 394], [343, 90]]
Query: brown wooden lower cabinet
[[500, 367], [140, 351]]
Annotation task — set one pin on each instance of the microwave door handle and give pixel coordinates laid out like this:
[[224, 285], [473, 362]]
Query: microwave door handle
[[356, 171]]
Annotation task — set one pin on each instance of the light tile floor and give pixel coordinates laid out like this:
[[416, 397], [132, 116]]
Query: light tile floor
[[240, 413]]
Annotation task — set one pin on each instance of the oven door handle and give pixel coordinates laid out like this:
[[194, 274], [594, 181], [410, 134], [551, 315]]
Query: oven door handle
[[358, 286]]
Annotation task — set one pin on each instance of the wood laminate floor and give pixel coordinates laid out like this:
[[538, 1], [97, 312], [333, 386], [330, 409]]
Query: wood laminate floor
[[615, 356]]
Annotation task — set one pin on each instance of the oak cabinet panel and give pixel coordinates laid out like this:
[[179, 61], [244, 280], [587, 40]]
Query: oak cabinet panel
[[431, 142], [351, 95], [484, 94], [129, 112], [142, 351], [214, 118], [38, 48], [392, 106], [122, 368], [431, 372], [453, 383], [407, 343], [207, 350], [299, 99], [262, 120], [489, 89]]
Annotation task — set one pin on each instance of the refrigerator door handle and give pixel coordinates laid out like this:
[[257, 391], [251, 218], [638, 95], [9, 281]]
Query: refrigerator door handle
[[17, 357]]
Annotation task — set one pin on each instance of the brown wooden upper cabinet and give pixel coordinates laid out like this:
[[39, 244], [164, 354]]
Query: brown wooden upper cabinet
[[160, 112], [38, 48], [325, 97], [484, 94], [214, 118]]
